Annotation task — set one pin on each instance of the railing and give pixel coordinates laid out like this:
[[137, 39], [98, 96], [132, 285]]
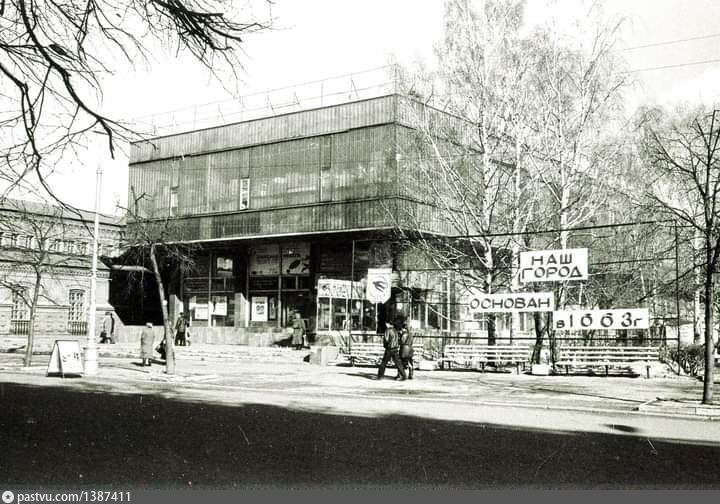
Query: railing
[[20, 327], [320, 93], [77, 327]]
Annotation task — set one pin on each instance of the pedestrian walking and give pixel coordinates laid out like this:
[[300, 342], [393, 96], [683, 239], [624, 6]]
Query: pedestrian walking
[[391, 342], [180, 328], [107, 333], [406, 351], [146, 344], [299, 330]]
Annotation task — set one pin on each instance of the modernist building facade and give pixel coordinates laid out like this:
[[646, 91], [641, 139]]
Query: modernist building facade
[[288, 213], [51, 247]]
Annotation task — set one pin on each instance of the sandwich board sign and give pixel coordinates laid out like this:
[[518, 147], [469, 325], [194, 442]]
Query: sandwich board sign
[[553, 265], [378, 285], [513, 302], [66, 359], [631, 318]]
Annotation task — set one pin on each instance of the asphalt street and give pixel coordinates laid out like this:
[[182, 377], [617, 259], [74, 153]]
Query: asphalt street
[[273, 426]]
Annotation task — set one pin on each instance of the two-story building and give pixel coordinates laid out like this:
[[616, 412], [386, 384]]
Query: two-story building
[[50, 246], [286, 212]]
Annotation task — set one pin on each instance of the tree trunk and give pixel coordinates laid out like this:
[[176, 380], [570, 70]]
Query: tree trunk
[[491, 319], [31, 322], [539, 335], [697, 321], [709, 326], [167, 330]]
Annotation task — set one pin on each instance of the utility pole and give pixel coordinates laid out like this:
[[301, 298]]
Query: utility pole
[[90, 364]]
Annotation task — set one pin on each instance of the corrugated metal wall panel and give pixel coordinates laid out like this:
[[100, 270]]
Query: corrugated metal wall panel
[[361, 165], [320, 218], [272, 129]]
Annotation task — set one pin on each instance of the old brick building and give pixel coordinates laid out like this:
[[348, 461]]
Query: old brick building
[[56, 243]]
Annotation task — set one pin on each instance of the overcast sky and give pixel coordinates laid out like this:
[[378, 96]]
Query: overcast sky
[[315, 39]]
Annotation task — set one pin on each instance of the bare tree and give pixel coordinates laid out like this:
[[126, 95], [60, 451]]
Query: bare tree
[[154, 244], [462, 155], [34, 237], [684, 152], [54, 55]]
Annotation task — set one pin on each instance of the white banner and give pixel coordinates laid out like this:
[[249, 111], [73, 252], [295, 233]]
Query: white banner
[[378, 285], [553, 265], [631, 318], [513, 302]]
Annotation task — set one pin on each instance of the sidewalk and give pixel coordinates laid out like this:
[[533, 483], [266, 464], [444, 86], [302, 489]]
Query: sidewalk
[[267, 371]]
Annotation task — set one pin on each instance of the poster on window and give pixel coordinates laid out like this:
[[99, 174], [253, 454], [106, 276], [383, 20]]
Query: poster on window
[[224, 266], [201, 312], [265, 260], [296, 258], [259, 311], [219, 306]]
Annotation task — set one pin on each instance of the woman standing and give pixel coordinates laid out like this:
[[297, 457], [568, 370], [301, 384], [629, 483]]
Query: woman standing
[[146, 344], [299, 329]]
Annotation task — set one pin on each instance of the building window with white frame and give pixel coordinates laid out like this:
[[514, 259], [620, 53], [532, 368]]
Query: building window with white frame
[[77, 304], [244, 194], [19, 313], [77, 324]]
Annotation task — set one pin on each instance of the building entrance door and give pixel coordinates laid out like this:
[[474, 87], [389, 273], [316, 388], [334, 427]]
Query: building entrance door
[[292, 302]]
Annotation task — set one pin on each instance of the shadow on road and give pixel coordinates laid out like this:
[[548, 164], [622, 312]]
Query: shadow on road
[[60, 437]]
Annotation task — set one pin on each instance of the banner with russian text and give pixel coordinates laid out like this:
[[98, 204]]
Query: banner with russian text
[[513, 302]]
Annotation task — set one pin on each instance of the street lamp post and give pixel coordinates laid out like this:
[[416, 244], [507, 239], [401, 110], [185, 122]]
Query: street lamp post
[[90, 364]]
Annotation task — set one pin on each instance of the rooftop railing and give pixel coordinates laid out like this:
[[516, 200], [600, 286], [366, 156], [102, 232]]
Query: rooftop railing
[[308, 95]]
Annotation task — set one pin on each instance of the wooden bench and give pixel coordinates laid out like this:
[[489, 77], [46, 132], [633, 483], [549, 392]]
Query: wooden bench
[[474, 355], [372, 353], [607, 357]]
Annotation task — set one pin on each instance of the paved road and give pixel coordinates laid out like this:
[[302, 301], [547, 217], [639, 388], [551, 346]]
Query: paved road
[[273, 426]]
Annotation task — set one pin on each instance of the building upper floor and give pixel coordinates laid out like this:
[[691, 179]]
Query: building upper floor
[[337, 168], [30, 228]]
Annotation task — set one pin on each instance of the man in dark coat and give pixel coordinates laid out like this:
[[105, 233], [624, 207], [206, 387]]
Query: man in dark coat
[[147, 339], [391, 342], [180, 328], [406, 351]]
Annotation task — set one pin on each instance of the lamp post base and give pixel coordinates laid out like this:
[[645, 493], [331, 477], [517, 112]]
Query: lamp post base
[[90, 361]]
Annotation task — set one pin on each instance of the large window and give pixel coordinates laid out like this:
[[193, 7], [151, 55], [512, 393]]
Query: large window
[[244, 194], [326, 173], [19, 314], [77, 324], [19, 307], [77, 305]]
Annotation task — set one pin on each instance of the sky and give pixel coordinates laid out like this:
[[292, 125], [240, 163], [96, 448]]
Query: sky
[[317, 39]]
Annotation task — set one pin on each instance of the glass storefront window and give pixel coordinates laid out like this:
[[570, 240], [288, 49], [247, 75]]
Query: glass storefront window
[[304, 282], [339, 319], [369, 322], [356, 309], [323, 322]]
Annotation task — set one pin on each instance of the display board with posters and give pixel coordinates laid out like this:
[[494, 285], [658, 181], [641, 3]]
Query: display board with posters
[[512, 302], [265, 260], [343, 289], [553, 265], [219, 306], [631, 318], [295, 258], [66, 359], [259, 308]]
